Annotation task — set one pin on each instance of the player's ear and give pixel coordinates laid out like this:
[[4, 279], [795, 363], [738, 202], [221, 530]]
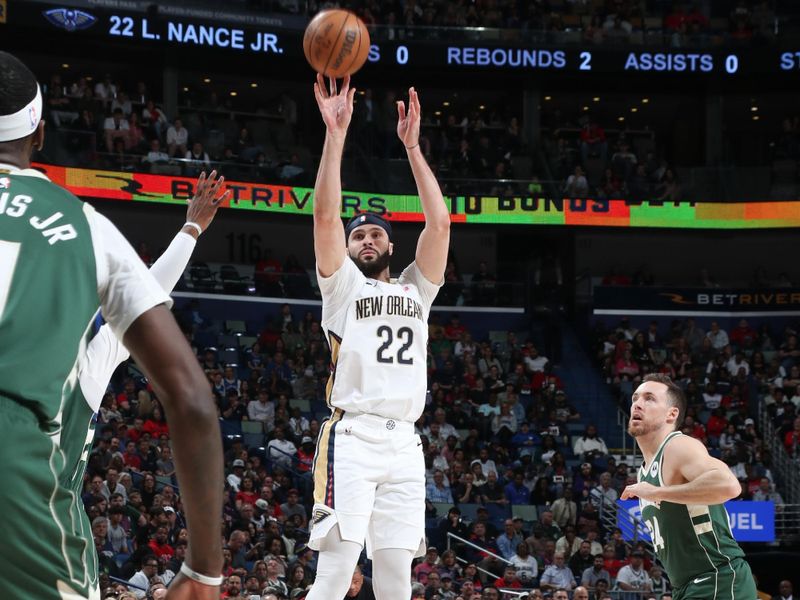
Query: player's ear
[[672, 414], [391, 248]]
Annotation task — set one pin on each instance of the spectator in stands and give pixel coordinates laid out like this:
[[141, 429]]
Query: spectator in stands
[[483, 288], [115, 128], [526, 565], [719, 337], [791, 440], [784, 591], [582, 560], [593, 140], [509, 580], [436, 491], [141, 579], [590, 446], [177, 139], [197, 160], [576, 185], [516, 492], [569, 543], [508, 541], [604, 495], [261, 409], [154, 118], [557, 575], [634, 578], [565, 510], [155, 156], [591, 575]]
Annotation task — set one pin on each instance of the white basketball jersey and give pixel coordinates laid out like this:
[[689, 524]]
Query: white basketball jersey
[[378, 335]]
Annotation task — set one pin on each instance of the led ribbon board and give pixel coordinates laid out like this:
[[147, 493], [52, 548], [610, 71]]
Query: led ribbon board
[[518, 210]]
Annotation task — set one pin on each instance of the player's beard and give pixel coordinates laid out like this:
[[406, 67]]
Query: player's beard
[[641, 429], [373, 268]]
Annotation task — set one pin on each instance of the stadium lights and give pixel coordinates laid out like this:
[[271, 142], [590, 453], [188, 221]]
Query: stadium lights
[[206, 80], [233, 93], [438, 113], [754, 109], [547, 98], [65, 66], [756, 118], [585, 108], [254, 85], [185, 89], [445, 103], [482, 107], [620, 119], [645, 100], [596, 99], [634, 109]]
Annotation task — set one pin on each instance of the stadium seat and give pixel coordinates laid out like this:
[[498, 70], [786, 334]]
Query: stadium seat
[[202, 277], [247, 341], [252, 427], [302, 403], [442, 508], [229, 357], [526, 512], [232, 282], [253, 440], [234, 326], [226, 340], [469, 512]]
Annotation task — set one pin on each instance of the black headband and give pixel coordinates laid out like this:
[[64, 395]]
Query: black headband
[[367, 219]]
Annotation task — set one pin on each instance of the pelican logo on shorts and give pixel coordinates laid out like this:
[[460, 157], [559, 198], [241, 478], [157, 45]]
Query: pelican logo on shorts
[[5, 182], [390, 424], [319, 515], [654, 469]]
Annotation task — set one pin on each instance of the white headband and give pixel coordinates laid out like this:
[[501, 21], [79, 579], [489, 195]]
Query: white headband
[[23, 122]]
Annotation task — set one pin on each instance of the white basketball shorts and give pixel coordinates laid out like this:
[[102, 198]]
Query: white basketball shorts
[[369, 478]]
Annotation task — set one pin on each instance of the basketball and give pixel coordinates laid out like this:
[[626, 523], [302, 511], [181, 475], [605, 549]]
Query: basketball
[[336, 43]]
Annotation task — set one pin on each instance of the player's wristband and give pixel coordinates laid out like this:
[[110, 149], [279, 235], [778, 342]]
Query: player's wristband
[[199, 577], [412, 147], [195, 226]]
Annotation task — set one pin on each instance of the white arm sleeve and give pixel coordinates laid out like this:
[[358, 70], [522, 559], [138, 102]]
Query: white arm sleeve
[[104, 353], [126, 288], [169, 267]]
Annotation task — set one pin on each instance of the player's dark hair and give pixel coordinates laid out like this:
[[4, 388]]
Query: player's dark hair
[[675, 395], [17, 84]]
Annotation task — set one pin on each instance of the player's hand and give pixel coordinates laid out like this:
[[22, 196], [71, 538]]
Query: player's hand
[[643, 490], [183, 588], [203, 206], [408, 121], [335, 106]]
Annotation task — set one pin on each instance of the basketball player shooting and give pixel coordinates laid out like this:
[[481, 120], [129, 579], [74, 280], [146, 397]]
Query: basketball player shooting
[[681, 491], [369, 474]]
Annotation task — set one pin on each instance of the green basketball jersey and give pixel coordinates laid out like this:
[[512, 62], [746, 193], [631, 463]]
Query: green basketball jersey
[[48, 297], [48, 294], [689, 539]]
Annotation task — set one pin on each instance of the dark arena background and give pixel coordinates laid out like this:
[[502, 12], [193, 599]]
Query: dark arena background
[[622, 178]]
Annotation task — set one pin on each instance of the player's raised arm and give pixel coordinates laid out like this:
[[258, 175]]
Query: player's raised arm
[[434, 241], [336, 108], [705, 479], [200, 213]]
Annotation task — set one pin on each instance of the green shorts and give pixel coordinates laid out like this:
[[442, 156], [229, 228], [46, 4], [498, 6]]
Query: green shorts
[[47, 551], [725, 584]]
